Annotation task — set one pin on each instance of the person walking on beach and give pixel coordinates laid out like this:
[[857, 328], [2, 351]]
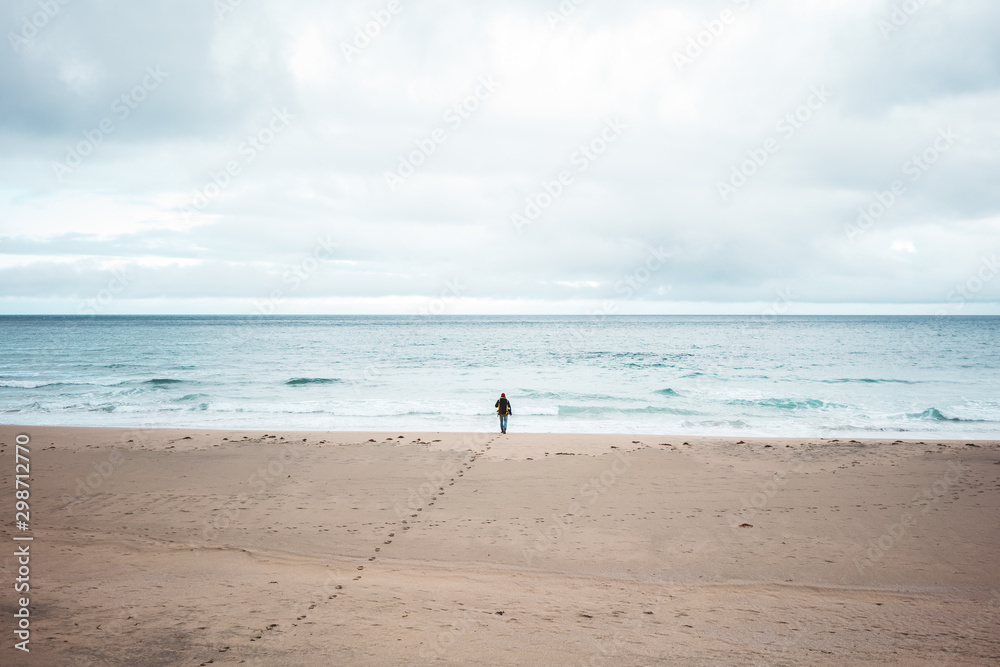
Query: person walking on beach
[[503, 409]]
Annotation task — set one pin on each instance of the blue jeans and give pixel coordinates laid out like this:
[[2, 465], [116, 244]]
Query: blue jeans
[[503, 422]]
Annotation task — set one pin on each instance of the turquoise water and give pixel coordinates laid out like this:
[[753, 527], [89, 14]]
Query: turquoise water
[[802, 376]]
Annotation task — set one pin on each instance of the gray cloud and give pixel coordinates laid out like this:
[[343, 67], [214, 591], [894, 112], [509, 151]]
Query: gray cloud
[[153, 195]]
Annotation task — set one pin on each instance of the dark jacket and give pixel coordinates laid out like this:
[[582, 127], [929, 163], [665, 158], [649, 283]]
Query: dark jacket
[[503, 407]]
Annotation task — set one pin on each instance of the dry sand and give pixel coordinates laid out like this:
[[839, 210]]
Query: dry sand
[[190, 547]]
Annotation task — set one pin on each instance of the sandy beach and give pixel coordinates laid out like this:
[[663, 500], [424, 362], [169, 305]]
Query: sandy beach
[[193, 547]]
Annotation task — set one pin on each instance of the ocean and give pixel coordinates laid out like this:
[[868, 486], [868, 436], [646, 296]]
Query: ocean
[[911, 377]]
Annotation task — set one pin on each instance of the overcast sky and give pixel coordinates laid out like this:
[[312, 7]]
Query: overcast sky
[[807, 156]]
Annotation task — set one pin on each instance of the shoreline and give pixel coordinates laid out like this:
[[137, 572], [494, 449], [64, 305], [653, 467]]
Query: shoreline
[[545, 434], [319, 547]]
